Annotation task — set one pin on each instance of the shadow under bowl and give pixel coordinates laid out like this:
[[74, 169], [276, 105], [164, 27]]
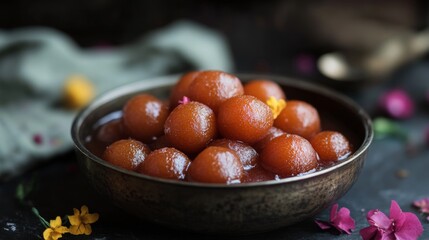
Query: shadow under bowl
[[227, 209]]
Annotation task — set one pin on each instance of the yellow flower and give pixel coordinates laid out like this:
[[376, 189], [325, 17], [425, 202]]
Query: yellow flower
[[276, 105], [80, 221], [78, 91], [55, 230]]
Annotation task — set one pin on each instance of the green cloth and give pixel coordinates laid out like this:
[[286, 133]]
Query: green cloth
[[35, 62]]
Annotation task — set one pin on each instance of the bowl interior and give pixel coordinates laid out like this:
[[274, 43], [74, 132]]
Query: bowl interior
[[336, 112]]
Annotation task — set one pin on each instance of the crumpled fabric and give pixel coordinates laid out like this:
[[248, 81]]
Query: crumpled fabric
[[35, 62]]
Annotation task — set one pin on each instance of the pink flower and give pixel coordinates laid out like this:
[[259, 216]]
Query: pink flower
[[422, 205], [37, 138], [341, 220], [399, 225], [397, 104], [305, 63], [184, 100]]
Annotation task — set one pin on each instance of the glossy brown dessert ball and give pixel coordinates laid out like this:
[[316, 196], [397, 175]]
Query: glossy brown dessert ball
[[289, 155], [244, 118], [127, 153], [258, 174], [331, 146], [214, 87], [168, 163], [111, 131], [144, 116], [272, 133], [216, 165], [180, 89], [248, 156], [264, 89], [190, 127], [299, 117]]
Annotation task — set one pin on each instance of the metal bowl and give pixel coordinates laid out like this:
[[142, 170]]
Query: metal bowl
[[227, 209]]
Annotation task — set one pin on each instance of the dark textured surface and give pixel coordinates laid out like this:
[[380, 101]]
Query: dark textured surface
[[60, 186]]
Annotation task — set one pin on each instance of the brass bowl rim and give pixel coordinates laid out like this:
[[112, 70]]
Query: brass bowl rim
[[167, 80]]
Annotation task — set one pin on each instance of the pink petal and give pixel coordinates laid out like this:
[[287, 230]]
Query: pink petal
[[379, 219], [333, 212], [343, 221], [396, 214], [397, 103], [323, 225], [422, 205], [388, 236], [411, 227], [370, 233], [305, 63], [184, 100], [37, 139]]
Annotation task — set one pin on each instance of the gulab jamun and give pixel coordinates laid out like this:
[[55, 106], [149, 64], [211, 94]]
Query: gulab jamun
[[247, 154], [126, 153], [289, 155], [272, 133], [216, 165], [264, 89], [214, 87], [258, 174], [181, 88], [144, 116], [331, 146], [244, 118], [168, 163], [111, 131], [299, 117], [190, 127], [233, 133]]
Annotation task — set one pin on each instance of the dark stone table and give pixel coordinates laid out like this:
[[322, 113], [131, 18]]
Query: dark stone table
[[392, 170]]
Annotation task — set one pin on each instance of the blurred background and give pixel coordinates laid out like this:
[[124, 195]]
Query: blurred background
[[273, 36]]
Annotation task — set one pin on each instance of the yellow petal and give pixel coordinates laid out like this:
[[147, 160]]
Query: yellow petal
[[47, 233], [76, 211], [61, 229], [74, 220], [90, 218], [276, 105], [88, 229], [82, 229], [56, 235], [55, 223], [74, 230], [78, 91], [78, 230], [83, 210]]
